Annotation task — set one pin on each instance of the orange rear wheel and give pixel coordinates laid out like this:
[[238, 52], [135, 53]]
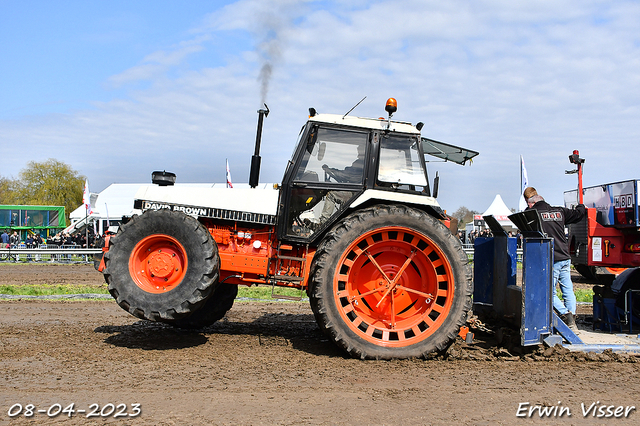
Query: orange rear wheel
[[394, 286], [390, 282]]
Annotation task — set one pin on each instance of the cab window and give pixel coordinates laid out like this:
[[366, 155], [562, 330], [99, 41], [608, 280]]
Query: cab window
[[400, 161], [333, 155], [327, 179]]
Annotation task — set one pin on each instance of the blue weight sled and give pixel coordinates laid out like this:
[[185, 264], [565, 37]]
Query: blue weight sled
[[529, 306]]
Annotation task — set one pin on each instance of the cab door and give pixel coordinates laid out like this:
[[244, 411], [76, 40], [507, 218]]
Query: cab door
[[327, 173]]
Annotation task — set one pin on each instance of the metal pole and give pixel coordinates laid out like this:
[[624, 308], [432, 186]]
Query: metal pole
[[86, 223], [580, 197]]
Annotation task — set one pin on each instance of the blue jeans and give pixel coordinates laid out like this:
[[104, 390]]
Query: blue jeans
[[562, 275]]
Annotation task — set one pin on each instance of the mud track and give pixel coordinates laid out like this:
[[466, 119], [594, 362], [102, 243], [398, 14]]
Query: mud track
[[267, 363]]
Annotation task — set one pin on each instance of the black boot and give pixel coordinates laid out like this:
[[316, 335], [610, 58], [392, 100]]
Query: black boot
[[570, 320]]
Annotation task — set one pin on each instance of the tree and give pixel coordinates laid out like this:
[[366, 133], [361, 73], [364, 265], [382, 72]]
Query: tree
[[464, 216], [8, 190], [50, 183]]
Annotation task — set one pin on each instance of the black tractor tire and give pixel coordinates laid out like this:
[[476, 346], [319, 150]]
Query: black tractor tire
[[390, 281], [214, 309], [162, 265]]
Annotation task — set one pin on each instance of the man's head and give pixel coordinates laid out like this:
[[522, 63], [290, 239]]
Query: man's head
[[529, 192], [531, 195]]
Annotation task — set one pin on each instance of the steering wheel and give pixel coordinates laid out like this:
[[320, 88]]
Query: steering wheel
[[332, 174]]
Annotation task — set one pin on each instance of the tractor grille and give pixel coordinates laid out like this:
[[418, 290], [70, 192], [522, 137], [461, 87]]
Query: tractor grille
[[210, 212]]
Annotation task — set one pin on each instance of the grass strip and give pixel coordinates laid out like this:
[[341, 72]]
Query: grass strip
[[264, 292], [582, 295], [50, 290]]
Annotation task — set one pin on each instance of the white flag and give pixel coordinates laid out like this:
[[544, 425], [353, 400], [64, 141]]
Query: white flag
[[86, 197], [524, 181], [229, 183]]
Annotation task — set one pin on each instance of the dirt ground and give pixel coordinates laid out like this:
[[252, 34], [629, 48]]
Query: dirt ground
[[268, 363]]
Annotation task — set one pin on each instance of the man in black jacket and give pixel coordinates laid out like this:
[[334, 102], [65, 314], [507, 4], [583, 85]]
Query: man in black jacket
[[554, 220]]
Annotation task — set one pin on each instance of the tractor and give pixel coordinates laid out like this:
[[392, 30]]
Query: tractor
[[354, 224]]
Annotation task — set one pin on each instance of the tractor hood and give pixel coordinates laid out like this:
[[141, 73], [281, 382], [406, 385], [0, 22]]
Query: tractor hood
[[257, 205]]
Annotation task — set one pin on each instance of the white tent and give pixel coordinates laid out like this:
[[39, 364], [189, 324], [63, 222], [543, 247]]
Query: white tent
[[500, 211], [111, 204]]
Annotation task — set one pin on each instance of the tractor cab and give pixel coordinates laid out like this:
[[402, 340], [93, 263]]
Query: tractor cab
[[339, 158]]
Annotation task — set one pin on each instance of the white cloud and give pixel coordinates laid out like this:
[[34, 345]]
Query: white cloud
[[155, 64]]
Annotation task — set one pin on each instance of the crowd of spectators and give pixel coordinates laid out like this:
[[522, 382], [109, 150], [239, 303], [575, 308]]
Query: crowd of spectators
[[469, 239], [77, 240], [35, 240]]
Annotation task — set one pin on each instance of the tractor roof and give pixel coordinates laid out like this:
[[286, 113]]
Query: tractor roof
[[367, 123]]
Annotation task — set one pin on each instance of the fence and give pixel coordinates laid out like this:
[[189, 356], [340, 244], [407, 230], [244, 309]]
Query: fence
[[468, 249], [45, 253]]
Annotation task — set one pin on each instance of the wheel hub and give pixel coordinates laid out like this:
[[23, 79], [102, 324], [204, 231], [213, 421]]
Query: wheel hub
[[161, 264], [158, 263]]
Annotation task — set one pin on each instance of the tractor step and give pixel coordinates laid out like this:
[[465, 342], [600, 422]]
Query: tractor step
[[287, 278], [299, 259]]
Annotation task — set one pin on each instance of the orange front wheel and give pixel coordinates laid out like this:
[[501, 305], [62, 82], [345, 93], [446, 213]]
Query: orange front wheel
[[162, 266]]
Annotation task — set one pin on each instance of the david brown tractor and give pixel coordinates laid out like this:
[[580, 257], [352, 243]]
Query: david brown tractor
[[354, 223]]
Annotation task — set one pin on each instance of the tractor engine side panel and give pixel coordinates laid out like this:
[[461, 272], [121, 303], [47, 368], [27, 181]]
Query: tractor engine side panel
[[251, 255], [244, 250]]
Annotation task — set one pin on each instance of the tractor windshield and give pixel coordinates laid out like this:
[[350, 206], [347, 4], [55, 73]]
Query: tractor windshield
[[334, 156], [400, 161], [328, 176]]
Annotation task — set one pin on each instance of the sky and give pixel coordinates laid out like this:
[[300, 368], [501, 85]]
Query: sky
[[119, 89]]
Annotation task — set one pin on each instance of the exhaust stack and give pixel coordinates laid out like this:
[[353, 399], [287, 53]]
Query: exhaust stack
[[255, 159]]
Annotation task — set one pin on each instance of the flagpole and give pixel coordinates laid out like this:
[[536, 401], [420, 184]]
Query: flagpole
[[521, 193], [86, 201], [104, 231], [524, 181]]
